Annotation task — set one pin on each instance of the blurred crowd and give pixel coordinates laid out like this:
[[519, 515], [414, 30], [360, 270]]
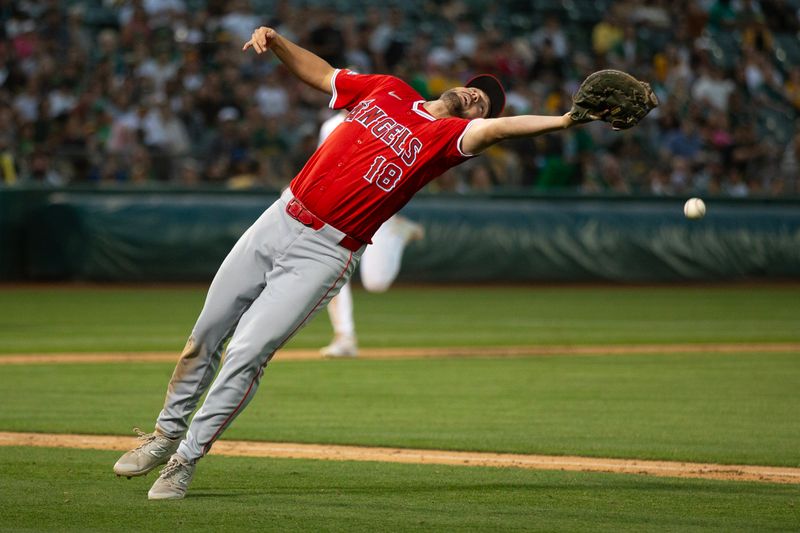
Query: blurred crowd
[[153, 92]]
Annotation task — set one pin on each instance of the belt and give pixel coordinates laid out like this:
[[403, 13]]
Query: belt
[[298, 211]]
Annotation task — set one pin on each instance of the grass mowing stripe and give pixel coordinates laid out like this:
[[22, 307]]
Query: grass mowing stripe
[[764, 474], [421, 353], [73, 490], [50, 319], [736, 409]]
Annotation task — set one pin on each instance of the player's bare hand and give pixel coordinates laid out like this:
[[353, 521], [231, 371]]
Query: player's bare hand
[[261, 40]]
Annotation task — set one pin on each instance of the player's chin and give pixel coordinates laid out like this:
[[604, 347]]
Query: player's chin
[[454, 104]]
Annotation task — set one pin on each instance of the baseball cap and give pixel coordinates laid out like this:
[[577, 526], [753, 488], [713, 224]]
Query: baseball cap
[[493, 89]]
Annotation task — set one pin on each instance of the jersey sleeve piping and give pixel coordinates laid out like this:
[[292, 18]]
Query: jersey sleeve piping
[[334, 93], [461, 137]]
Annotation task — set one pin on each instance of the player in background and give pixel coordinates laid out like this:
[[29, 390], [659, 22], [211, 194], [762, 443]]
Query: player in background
[[378, 268], [301, 251]]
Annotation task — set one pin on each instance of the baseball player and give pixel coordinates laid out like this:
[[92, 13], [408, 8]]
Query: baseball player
[[379, 267], [301, 251]]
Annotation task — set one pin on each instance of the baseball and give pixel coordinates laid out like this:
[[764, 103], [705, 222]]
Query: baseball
[[694, 208]]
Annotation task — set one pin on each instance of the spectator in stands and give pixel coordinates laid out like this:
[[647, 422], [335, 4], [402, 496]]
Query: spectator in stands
[[791, 88], [465, 37], [26, 102], [444, 54], [166, 136], [681, 179], [272, 97], [73, 150], [659, 183], [626, 53], [480, 179], [684, 141], [159, 69], [759, 73], [790, 165], [718, 136], [239, 21], [735, 184], [75, 83], [552, 33], [43, 169], [162, 12], [611, 172], [722, 16], [134, 24], [325, 37], [108, 50], [386, 42], [189, 173], [76, 35], [61, 100], [141, 167], [749, 151], [607, 34], [547, 68], [713, 87], [781, 16]]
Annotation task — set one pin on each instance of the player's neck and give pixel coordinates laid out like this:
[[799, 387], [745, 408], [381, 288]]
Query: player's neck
[[436, 108]]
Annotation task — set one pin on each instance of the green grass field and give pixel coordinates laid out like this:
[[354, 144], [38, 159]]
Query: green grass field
[[675, 407], [709, 407], [71, 490], [148, 318]]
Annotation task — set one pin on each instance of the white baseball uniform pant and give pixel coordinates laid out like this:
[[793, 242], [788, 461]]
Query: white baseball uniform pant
[[279, 274], [378, 268]]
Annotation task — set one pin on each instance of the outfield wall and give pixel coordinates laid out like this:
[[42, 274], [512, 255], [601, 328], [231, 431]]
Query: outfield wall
[[174, 235]]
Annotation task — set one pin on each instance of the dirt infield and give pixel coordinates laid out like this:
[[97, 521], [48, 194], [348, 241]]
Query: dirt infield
[[421, 353], [768, 474]]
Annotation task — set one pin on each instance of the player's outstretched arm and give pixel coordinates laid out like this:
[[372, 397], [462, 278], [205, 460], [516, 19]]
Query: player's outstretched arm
[[483, 133], [306, 65]]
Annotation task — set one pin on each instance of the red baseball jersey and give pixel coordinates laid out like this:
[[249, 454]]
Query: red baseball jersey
[[387, 149]]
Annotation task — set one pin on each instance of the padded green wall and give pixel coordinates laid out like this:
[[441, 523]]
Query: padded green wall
[[181, 236]]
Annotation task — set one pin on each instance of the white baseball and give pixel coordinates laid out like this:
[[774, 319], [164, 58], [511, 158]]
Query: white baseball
[[694, 208]]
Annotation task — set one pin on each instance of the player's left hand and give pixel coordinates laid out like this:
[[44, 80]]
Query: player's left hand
[[261, 40]]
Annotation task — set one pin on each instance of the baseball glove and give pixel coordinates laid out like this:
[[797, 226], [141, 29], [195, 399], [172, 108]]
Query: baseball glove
[[613, 96]]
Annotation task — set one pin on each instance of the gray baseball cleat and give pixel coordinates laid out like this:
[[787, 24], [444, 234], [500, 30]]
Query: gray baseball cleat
[[173, 481], [341, 346], [154, 451]]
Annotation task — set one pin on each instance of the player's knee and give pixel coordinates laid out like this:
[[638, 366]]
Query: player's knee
[[376, 285], [245, 359]]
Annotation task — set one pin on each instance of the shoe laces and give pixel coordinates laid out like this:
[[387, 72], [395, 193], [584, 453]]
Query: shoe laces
[[146, 438], [171, 468]]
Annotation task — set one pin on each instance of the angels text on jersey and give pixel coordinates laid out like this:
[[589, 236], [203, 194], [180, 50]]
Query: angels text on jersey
[[396, 136]]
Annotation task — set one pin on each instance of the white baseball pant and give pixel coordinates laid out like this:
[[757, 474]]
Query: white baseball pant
[[378, 268], [275, 279]]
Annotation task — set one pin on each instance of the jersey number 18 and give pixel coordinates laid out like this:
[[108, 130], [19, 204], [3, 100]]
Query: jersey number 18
[[384, 174]]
